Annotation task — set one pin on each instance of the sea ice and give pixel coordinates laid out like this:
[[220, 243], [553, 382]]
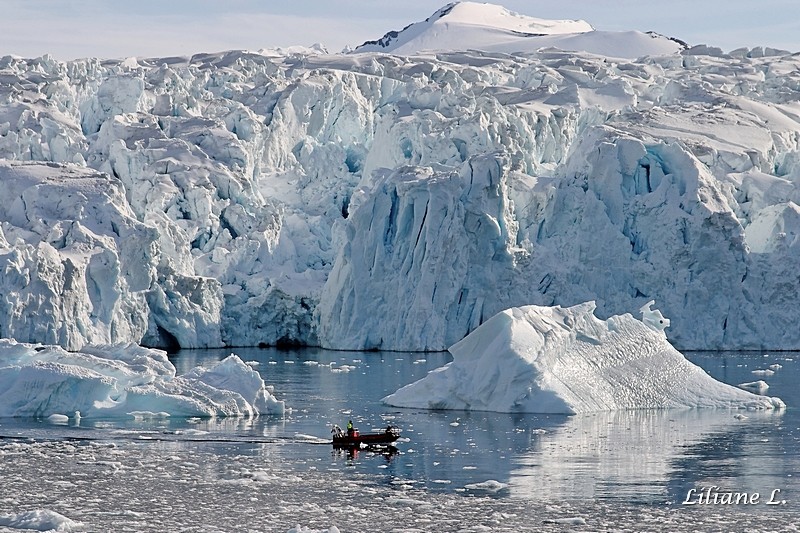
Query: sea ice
[[565, 360]]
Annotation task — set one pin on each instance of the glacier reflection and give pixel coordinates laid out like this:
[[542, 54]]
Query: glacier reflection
[[648, 455]]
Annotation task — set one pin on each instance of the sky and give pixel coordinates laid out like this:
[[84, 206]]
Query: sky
[[69, 29]]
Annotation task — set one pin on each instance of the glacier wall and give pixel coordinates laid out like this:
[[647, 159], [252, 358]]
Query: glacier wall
[[372, 201]]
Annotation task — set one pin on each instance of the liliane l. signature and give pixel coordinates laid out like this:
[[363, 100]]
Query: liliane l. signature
[[716, 496]]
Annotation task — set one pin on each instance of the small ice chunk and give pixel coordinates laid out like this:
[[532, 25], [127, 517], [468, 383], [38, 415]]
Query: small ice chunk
[[763, 372], [148, 415], [58, 419], [759, 387], [40, 520], [569, 521], [490, 485], [653, 317]]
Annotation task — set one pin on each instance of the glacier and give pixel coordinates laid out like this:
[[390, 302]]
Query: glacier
[[559, 360], [397, 201]]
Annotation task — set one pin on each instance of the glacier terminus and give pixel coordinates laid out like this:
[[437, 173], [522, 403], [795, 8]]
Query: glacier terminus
[[374, 200]]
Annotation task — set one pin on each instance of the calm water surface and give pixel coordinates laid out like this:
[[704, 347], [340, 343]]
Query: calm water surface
[[629, 462]]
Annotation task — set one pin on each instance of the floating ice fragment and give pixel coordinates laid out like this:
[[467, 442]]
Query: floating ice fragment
[[653, 317], [305, 529], [58, 419], [525, 359], [109, 381], [40, 520], [571, 521], [759, 387], [763, 372], [490, 485], [148, 415]]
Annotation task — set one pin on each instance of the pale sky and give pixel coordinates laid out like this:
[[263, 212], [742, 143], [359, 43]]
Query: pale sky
[[68, 29]]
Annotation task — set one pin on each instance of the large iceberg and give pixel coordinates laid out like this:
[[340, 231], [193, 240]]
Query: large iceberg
[[565, 360], [378, 201], [117, 381]]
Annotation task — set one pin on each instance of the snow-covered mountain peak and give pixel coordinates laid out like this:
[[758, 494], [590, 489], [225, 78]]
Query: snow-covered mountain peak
[[461, 25], [498, 17]]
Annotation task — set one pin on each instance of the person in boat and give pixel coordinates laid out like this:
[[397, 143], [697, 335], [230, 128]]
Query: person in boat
[[337, 431], [350, 429], [389, 428]]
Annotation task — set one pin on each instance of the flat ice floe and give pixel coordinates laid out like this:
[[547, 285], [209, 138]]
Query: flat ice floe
[[127, 380], [565, 360]]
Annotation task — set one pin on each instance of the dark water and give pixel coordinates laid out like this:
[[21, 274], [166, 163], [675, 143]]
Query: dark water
[[650, 459], [645, 456]]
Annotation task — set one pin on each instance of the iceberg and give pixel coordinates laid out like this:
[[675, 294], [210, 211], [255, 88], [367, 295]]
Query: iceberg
[[561, 360], [123, 380]]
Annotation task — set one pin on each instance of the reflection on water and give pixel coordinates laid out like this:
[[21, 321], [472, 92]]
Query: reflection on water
[[650, 457], [647, 456], [635, 456]]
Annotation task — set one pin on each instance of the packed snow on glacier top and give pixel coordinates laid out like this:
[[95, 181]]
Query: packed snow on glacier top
[[397, 199]]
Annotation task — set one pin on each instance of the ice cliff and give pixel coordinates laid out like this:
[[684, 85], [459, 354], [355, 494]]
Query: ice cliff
[[368, 200], [566, 361]]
